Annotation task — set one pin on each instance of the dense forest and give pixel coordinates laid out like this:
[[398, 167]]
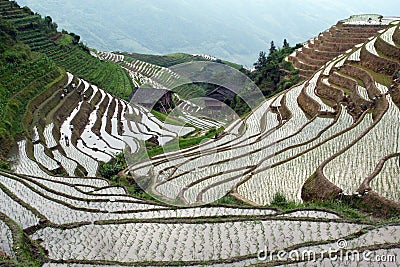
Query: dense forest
[[272, 72]]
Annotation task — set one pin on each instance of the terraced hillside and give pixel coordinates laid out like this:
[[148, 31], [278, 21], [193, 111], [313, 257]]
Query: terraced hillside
[[334, 138], [57, 220], [23, 77], [41, 35], [167, 60], [337, 128], [106, 227], [81, 125], [153, 71], [336, 40]]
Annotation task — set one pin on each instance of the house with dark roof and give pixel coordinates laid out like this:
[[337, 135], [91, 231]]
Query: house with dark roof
[[216, 99], [153, 98]]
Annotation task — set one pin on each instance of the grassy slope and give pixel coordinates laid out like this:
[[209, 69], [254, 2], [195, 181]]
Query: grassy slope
[[41, 35], [174, 59], [23, 76]]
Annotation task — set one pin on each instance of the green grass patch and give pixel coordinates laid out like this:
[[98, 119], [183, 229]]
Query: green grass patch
[[66, 39], [168, 119], [27, 252], [110, 171], [4, 165], [183, 142], [345, 208], [379, 77], [133, 188]]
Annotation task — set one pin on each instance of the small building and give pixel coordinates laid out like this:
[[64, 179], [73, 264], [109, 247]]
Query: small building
[[153, 98], [217, 98]]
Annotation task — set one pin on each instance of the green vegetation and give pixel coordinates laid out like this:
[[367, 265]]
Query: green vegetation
[[164, 117], [183, 142], [238, 105], [344, 207], [111, 170], [163, 60], [133, 188], [28, 253], [4, 165], [23, 76], [379, 77], [191, 90], [231, 64], [65, 49], [173, 59], [273, 74], [66, 40]]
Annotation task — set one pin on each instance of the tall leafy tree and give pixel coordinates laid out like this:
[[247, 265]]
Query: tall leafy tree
[[272, 48], [261, 62], [285, 43]]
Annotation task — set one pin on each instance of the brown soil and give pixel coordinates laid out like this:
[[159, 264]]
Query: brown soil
[[309, 106], [313, 191], [82, 118], [100, 112], [367, 79], [387, 49], [378, 64], [283, 110], [110, 113], [381, 207], [119, 118], [331, 43], [396, 95]]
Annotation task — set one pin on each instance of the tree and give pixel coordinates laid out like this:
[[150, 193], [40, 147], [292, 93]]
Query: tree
[[261, 62], [76, 38], [272, 48], [285, 43], [48, 20]]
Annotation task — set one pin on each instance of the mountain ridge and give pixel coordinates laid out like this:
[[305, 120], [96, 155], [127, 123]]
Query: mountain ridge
[[212, 27]]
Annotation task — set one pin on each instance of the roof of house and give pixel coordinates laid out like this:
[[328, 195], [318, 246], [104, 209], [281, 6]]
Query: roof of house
[[148, 95], [221, 93]]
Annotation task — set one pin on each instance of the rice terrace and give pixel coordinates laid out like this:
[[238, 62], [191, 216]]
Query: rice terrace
[[131, 159]]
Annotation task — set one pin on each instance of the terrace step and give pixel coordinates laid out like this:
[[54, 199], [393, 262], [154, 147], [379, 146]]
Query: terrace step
[[335, 41]]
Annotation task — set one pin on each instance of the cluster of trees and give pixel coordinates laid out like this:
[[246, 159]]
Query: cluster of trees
[[48, 25], [110, 170], [272, 73]]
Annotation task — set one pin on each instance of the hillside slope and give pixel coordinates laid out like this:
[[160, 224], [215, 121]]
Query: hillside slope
[[41, 35], [24, 76], [335, 41], [333, 129]]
